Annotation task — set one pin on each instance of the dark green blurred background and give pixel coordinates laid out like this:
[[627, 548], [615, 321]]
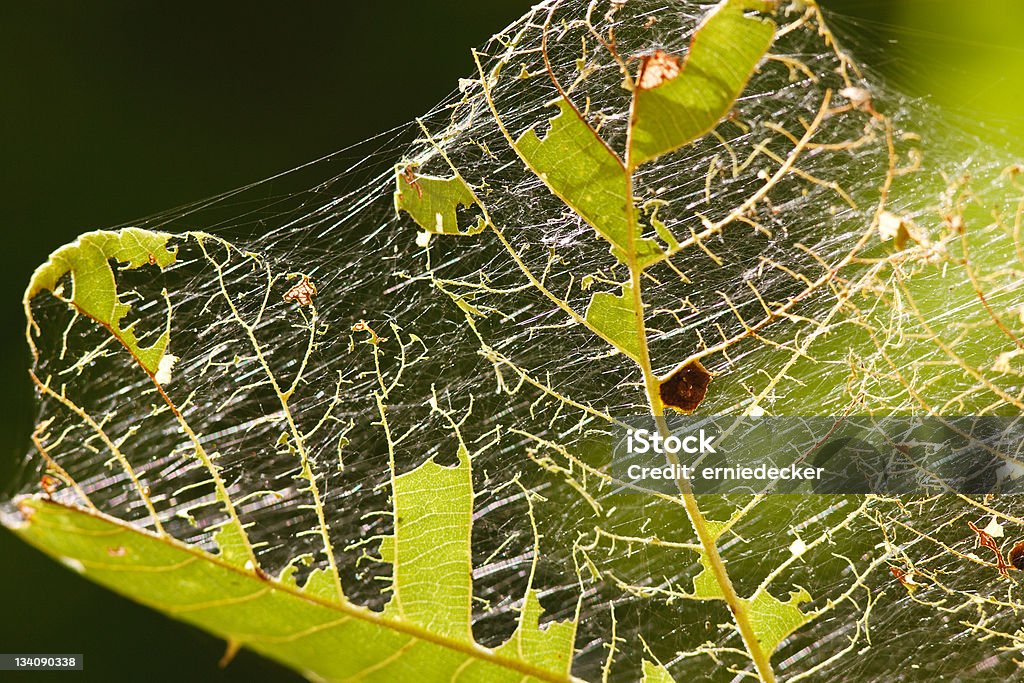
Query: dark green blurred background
[[116, 110]]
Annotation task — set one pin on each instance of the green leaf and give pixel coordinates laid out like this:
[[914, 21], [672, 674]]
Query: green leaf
[[433, 589], [705, 585], [432, 202], [656, 673], [93, 288], [425, 628], [549, 647], [774, 620], [614, 317], [723, 54], [582, 171]]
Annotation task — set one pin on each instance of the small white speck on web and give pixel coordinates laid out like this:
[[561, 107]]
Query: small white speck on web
[[73, 564], [798, 547], [858, 96]]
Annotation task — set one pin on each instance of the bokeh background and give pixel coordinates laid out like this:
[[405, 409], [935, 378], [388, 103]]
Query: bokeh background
[[110, 111]]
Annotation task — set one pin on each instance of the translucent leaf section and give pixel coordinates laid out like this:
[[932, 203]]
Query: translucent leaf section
[[430, 551], [615, 317], [682, 107], [578, 167], [434, 202], [93, 290]]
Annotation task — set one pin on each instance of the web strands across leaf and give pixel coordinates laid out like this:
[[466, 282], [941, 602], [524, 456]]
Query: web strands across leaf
[[794, 255]]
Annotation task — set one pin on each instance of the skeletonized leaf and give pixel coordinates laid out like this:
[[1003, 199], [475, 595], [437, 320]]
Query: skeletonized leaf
[[576, 164], [425, 628], [93, 290]]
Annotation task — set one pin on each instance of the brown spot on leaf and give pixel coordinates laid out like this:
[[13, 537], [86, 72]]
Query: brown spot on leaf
[[685, 388], [302, 293], [656, 68], [1016, 556], [117, 551]]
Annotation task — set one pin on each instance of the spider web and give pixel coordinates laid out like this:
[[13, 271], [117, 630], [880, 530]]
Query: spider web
[[831, 260]]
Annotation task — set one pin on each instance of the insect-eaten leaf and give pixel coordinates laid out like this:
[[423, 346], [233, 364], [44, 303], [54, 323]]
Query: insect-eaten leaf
[[685, 389], [94, 287], [705, 585], [773, 620], [581, 170], [433, 202], [424, 632], [614, 317], [674, 105]]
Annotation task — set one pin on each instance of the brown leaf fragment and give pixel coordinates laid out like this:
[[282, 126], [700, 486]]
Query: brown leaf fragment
[[901, 231], [656, 68], [905, 579], [302, 293], [985, 540], [1016, 555], [685, 388]]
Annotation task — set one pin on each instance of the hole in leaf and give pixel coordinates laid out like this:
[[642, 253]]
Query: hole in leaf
[[686, 387]]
